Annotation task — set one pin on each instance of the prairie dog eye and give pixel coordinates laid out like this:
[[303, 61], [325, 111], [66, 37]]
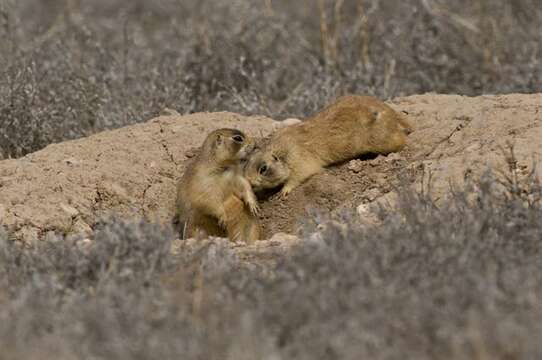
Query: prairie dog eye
[[262, 169], [238, 138], [275, 158]]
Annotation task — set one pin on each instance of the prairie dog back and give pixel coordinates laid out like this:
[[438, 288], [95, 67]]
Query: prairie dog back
[[348, 128]]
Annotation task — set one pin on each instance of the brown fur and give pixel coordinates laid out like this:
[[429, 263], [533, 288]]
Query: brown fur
[[213, 197], [346, 129], [240, 223]]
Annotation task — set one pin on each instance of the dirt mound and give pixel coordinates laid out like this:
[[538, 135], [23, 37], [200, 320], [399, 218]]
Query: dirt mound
[[455, 137], [132, 171]]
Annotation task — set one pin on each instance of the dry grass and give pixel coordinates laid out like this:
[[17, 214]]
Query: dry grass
[[71, 67], [458, 281]]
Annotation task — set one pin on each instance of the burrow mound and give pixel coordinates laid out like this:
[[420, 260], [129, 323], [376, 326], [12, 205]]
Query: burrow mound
[[131, 172]]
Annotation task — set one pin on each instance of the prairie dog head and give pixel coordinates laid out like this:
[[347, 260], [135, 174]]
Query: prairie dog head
[[265, 169], [224, 145], [386, 129]]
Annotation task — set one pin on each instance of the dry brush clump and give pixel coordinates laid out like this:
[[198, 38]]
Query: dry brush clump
[[458, 280], [70, 67]]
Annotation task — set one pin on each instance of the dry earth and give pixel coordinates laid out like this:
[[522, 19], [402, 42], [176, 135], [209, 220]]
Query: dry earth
[[67, 187]]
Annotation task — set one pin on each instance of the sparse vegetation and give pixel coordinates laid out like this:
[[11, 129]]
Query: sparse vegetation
[[461, 280], [72, 67]]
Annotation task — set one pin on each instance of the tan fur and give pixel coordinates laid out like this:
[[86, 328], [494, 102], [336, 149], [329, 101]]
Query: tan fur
[[346, 129], [213, 197], [240, 224]]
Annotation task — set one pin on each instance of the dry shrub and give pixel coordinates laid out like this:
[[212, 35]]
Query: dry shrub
[[455, 281], [72, 67]]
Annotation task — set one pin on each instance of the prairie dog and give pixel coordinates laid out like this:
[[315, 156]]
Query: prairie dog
[[213, 197], [346, 129]]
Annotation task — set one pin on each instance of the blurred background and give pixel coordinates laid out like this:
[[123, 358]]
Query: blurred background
[[71, 67]]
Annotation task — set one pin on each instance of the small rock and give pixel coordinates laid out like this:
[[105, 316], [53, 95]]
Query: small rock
[[84, 244], [394, 157], [237, 244], [190, 153], [281, 237], [355, 165], [317, 238], [381, 180], [72, 161], [371, 194], [51, 237], [473, 147], [191, 242], [363, 210], [81, 227], [366, 213], [291, 121], [388, 201], [7, 180], [118, 190], [377, 160], [28, 234], [169, 112], [70, 210]]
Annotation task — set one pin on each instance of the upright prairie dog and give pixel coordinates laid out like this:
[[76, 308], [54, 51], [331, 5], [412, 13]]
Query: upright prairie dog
[[346, 129], [213, 197]]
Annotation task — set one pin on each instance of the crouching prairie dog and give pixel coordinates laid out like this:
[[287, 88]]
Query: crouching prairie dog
[[346, 129], [213, 197]]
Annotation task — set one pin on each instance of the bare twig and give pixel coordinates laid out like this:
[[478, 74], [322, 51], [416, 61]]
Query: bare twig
[[441, 11], [362, 27], [336, 30], [324, 31], [390, 72]]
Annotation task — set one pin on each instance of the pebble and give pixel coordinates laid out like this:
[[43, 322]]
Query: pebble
[[355, 166], [70, 210]]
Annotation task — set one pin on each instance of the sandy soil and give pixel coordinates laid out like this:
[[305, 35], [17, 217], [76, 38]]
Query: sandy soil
[[68, 187]]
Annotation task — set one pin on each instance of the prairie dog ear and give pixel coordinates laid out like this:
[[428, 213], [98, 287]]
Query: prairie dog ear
[[219, 139], [279, 155], [405, 123], [374, 115]]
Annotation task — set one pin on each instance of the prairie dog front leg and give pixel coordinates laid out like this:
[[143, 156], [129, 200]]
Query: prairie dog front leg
[[241, 224], [244, 192]]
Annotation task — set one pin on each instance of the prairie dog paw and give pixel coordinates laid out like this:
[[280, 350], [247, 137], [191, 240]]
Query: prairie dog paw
[[283, 194], [254, 208]]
